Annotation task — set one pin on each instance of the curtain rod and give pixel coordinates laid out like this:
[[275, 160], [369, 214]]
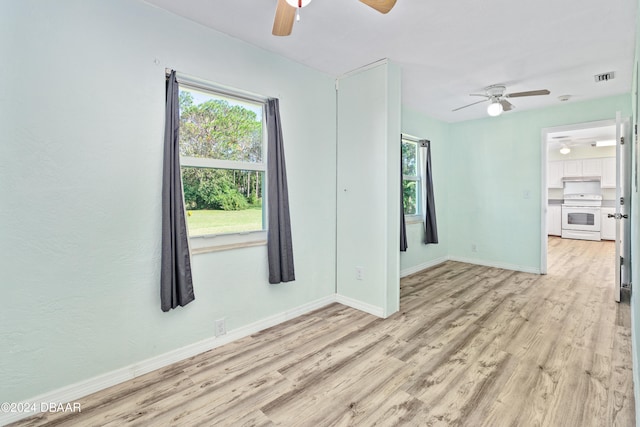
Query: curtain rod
[[198, 83], [420, 141]]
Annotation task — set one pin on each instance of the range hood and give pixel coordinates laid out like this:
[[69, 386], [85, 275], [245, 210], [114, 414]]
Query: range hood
[[580, 178]]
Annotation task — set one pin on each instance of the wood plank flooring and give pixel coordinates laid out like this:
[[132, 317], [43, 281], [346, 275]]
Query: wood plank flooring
[[470, 346]]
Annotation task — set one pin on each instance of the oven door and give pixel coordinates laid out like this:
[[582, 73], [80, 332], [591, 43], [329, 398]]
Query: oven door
[[580, 218]]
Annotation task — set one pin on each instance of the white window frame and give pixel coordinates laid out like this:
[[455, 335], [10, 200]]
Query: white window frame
[[226, 241], [416, 217]]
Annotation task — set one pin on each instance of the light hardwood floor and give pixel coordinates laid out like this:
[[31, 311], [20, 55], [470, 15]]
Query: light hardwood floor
[[471, 346]]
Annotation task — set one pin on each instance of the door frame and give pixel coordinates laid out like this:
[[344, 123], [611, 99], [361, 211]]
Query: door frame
[[544, 194]]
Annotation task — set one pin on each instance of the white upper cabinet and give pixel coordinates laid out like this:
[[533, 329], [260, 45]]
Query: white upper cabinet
[[573, 168], [591, 167], [608, 173], [555, 172], [599, 168]]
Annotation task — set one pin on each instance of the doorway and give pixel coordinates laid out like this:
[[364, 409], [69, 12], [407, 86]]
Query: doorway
[[585, 164]]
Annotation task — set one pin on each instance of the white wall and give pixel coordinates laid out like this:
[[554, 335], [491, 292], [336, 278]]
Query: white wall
[[368, 211], [82, 114]]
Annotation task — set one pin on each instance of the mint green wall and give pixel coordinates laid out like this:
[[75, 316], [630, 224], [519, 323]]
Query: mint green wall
[[82, 115], [82, 120], [493, 164], [368, 226], [417, 254]]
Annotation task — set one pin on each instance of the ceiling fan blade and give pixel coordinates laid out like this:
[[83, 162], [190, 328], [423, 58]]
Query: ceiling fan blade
[[283, 21], [382, 6], [506, 105], [528, 93], [478, 102]]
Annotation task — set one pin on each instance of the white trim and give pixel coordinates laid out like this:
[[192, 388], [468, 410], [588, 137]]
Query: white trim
[[544, 200], [503, 265], [410, 138], [359, 305], [413, 219], [209, 249], [411, 270], [92, 385], [84, 388], [197, 83], [220, 242], [543, 179], [204, 162], [374, 64], [634, 360]]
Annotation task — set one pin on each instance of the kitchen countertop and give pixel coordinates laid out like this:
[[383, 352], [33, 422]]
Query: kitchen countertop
[[605, 203]]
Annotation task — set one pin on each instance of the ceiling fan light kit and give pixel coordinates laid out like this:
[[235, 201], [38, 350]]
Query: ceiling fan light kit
[[565, 150], [497, 97], [494, 109]]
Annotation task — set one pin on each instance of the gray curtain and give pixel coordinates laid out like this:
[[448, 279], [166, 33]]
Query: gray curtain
[[176, 285], [279, 246], [403, 224], [430, 226]]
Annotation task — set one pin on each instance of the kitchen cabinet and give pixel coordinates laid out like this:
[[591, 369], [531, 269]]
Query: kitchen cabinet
[[554, 220], [607, 225], [555, 173], [573, 168], [602, 168], [583, 167], [591, 167], [608, 173]]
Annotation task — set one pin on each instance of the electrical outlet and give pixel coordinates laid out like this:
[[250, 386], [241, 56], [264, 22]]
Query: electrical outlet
[[474, 248], [220, 327], [359, 273]]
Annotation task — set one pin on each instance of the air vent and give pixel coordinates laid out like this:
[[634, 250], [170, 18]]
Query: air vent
[[604, 76]]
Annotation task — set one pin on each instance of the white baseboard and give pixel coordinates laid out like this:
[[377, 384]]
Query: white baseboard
[[359, 305], [411, 270], [84, 388], [503, 265]]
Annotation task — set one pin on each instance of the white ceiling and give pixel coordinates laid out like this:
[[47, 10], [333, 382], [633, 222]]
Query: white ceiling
[[581, 137], [449, 49]]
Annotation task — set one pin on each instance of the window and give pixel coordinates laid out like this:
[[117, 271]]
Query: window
[[410, 176], [222, 155]]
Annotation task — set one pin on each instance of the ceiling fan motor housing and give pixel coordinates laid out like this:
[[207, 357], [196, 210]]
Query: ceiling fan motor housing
[[298, 3], [495, 91]]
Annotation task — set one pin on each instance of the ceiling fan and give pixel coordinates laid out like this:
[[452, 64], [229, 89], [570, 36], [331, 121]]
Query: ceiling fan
[[287, 9], [498, 98]]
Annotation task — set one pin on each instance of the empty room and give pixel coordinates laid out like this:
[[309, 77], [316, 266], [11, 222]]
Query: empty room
[[319, 212]]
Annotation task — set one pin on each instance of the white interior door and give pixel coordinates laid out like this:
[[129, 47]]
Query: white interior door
[[623, 173]]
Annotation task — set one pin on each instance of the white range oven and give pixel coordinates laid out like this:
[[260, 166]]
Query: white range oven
[[581, 216]]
